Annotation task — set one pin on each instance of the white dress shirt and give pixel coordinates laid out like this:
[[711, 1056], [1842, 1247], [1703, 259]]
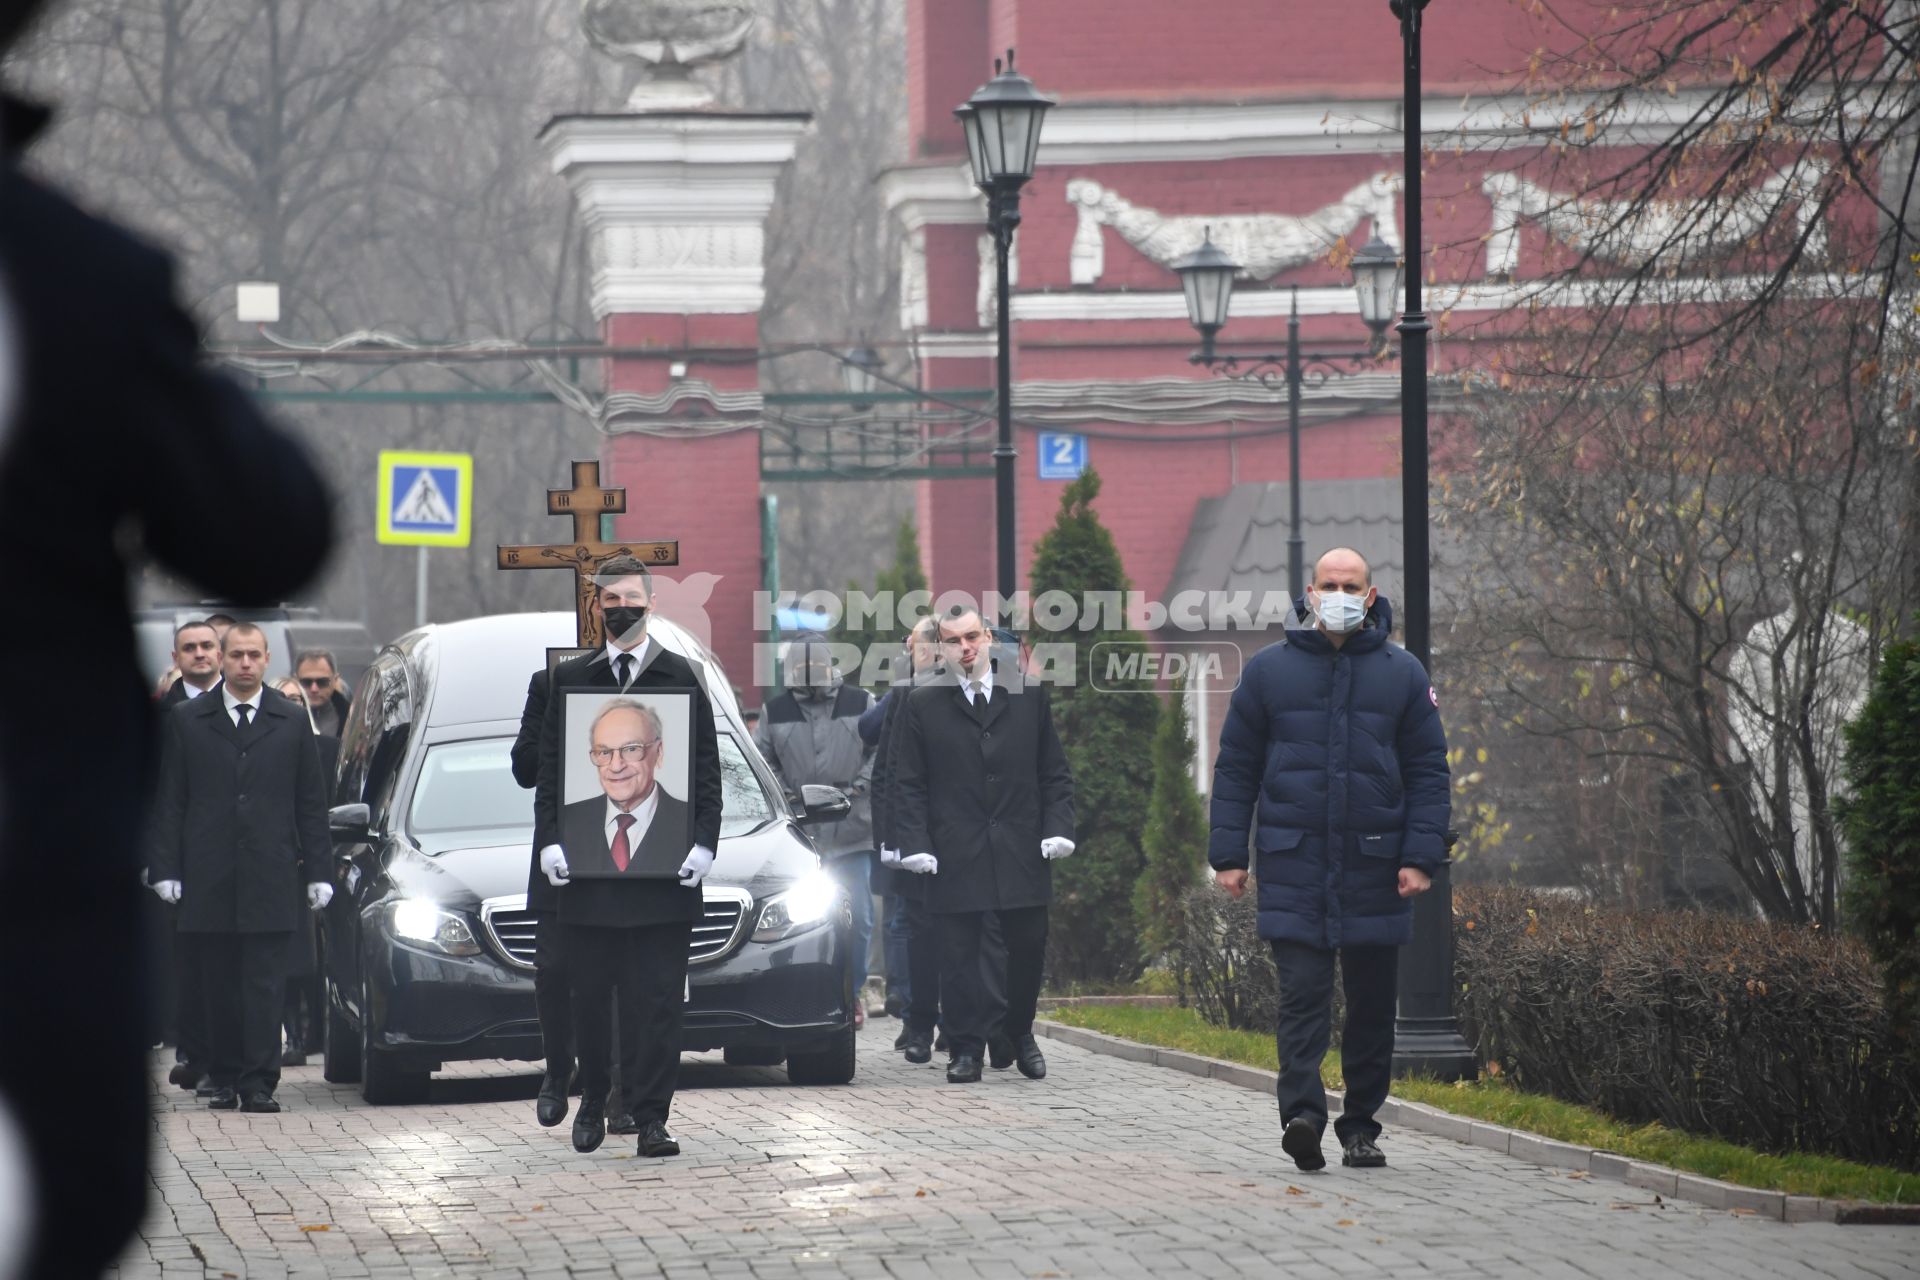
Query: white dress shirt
[[194, 690], [985, 681], [253, 715], [642, 819], [638, 654]]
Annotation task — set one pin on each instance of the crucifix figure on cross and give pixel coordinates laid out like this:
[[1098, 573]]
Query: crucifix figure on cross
[[586, 502]]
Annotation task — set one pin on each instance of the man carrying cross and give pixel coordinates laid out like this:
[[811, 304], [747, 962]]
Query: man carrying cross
[[627, 938]]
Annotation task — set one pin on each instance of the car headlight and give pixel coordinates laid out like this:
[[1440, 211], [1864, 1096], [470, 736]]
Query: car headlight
[[427, 925], [807, 905]]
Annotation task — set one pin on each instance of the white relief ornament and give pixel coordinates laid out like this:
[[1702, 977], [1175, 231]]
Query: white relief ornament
[[1264, 243], [1632, 233]]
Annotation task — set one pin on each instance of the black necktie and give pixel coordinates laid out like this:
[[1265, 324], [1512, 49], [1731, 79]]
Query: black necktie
[[625, 663], [245, 713], [978, 702]]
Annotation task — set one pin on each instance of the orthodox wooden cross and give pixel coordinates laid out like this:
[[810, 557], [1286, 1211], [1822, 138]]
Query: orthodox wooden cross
[[586, 502]]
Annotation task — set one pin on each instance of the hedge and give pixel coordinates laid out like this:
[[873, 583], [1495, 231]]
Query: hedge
[[1775, 1037], [1772, 1036]]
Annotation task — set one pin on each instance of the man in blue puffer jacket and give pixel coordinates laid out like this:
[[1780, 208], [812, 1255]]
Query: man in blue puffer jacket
[[1333, 760]]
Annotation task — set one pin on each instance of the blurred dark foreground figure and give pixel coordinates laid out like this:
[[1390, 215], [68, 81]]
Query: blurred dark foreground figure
[[116, 446]]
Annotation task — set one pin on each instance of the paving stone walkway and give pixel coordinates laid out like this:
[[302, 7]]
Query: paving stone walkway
[[1107, 1168]]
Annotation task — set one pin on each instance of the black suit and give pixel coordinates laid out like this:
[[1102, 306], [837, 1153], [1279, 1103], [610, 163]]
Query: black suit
[[627, 934], [241, 822], [176, 965], [552, 981], [174, 458], [177, 693], [662, 848], [979, 787]]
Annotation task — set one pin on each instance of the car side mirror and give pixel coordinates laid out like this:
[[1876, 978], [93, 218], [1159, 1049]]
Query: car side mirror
[[350, 823], [822, 804]]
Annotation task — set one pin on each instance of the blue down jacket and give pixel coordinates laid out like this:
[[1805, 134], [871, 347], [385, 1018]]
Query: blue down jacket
[[1335, 761]]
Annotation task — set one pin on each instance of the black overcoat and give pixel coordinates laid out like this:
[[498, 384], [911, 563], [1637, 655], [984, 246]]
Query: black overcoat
[[240, 819], [980, 791], [626, 902]]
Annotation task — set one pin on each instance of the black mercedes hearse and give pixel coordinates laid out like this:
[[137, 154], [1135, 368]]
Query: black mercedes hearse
[[428, 943]]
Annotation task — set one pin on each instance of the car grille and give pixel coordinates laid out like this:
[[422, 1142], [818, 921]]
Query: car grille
[[511, 928]]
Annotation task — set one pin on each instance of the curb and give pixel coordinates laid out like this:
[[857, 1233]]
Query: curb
[[1531, 1147]]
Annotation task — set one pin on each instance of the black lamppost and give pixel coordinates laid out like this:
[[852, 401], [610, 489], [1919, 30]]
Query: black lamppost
[[1426, 1037], [1207, 275], [1002, 121]]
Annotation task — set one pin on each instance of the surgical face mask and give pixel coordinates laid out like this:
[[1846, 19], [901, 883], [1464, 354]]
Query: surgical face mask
[[622, 619], [1340, 612]]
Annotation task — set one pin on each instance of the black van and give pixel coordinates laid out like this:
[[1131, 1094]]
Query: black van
[[428, 943]]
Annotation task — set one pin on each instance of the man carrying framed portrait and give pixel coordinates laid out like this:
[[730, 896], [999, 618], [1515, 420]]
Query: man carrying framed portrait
[[627, 818]]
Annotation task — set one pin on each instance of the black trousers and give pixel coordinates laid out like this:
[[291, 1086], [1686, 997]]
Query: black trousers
[[1370, 978], [189, 995], [966, 997], [553, 995], [647, 966], [923, 966], [242, 978]]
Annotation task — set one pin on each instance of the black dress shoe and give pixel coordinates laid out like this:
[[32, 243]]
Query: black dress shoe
[[185, 1075], [206, 1088], [896, 1005], [655, 1141], [1302, 1142], [1360, 1153], [918, 1048], [999, 1052], [551, 1107], [623, 1123], [964, 1069], [260, 1104], [294, 1055], [589, 1126], [1033, 1064], [900, 1041], [222, 1099]]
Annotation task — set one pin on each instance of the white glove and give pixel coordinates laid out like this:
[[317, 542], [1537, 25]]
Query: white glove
[[319, 895], [921, 864], [694, 869], [889, 857], [1055, 847], [169, 891], [553, 864]]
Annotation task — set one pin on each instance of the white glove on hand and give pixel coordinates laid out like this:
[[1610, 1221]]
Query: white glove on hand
[[1055, 847], [889, 857], [169, 891], [921, 864], [553, 864], [319, 895], [694, 869]]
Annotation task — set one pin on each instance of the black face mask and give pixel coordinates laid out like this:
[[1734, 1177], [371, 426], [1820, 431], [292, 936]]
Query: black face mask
[[622, 619]]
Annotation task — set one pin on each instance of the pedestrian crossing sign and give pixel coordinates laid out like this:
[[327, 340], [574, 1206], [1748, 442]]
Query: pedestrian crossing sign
[[426, 499]]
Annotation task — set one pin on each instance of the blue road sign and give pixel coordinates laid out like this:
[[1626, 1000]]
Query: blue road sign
[[426, 499], [1063, 455]]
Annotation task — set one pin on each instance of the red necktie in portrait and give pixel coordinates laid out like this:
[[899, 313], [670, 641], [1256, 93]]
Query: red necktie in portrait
[[622, 853]]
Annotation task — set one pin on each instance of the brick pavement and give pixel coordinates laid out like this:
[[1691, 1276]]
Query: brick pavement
[[1107, 1168]]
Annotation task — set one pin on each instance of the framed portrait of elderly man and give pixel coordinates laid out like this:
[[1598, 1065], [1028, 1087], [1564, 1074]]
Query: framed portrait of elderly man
[[623, 797]]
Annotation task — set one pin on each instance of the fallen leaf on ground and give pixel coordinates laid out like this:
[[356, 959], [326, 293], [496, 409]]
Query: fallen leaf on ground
[[322, 1227], [1295, 1191], [1346, 1222]]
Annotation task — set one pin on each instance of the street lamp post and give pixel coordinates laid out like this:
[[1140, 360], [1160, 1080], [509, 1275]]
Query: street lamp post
[[1002, 122], [860, 370], [1426, 1037], [1206, 276]]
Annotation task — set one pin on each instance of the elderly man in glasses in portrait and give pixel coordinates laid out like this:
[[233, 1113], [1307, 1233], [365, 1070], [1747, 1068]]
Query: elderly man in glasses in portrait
[[635, 827]]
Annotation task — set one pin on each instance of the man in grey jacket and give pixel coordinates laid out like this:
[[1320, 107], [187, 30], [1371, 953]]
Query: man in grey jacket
[[810, 733]]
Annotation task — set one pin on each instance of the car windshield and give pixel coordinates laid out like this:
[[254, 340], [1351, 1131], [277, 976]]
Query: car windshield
[[466, 796]]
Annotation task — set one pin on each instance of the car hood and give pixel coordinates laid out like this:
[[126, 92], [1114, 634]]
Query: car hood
[[761, 861]]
